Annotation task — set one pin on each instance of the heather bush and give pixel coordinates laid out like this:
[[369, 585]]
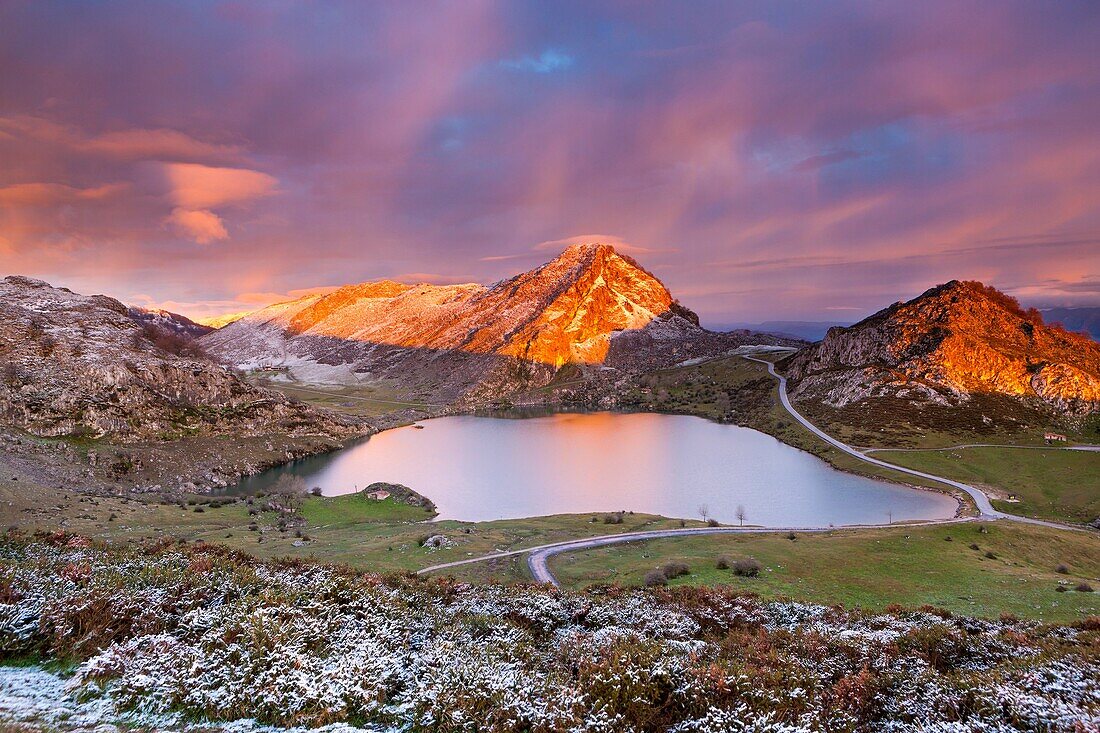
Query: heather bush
[[655, 577], [675, 570], [214, 635], [747, 567]]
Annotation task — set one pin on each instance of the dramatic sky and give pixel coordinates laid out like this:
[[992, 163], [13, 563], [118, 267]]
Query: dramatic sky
[[766, 159]]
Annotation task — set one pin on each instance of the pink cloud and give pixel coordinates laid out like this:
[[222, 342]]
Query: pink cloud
[[157, 144], [621, 245], [843, 154], [45, 194], [415, 278], [202, 225], [133, 143], [195, 186]]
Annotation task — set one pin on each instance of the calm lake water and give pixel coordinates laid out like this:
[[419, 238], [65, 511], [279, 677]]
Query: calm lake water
[[480, 468]]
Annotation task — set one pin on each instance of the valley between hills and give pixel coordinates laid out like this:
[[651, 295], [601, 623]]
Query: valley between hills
[[140, 421]]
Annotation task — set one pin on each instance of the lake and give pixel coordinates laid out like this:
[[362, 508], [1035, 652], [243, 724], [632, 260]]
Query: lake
[[481, 468]]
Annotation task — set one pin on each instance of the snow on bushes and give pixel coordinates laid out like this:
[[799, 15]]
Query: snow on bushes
[[204, 635]]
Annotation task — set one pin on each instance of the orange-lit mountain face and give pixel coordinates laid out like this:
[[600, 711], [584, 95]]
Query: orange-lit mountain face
[[564, 311], [518, 332], [951, 342]]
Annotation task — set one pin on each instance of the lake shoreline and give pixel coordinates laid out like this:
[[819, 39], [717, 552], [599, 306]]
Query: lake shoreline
[[657, 444]]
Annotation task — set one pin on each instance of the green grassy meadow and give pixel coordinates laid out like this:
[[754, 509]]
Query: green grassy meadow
[[1063, 485], [910, 566]]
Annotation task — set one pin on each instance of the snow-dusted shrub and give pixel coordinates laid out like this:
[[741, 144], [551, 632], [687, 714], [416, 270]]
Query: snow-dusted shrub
[[210, 635]]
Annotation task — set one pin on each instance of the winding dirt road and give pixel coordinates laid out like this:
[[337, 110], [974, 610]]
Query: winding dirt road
[[538, 556]]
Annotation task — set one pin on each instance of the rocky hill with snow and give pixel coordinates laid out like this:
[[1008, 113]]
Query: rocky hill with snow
[[168, 321], [951, 343], [78, 365], [591, 308]]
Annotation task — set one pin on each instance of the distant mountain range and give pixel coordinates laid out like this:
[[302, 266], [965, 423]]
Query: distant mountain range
[[221, 321], [588, 321], [805, 330], [168, 321], [591, 308], [1085, 320], [953, 341]]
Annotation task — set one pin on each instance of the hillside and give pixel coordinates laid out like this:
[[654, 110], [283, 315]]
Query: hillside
[[76, 365], [590, 308], [953, 343]]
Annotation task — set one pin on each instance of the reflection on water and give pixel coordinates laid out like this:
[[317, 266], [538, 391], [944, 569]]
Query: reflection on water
[[479, 468]]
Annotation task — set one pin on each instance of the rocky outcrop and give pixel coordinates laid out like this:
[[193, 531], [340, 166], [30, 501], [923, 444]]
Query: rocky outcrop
[[76, 365], [590, 308], [951, 342]]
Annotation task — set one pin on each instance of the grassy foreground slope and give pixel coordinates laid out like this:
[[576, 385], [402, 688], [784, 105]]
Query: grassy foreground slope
[[910, 566], [381, 536], [1063, 485]]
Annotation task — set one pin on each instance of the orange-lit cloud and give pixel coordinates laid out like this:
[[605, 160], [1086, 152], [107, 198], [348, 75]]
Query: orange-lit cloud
[[200, 224], [618, 243], [195, 189], [195, 186], [124, 144], [42, 194], [158, 144]]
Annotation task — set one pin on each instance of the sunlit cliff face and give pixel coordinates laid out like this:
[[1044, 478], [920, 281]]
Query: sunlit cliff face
[[957, 339], [991, 346], [562, 312]]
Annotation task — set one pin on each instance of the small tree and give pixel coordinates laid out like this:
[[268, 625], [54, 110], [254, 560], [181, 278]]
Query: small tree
[[704, 511], [741, 514], [287, 494]]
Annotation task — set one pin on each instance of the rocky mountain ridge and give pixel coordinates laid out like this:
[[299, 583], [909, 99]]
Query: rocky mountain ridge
[[954, 341], [76, 365], [591, 308]]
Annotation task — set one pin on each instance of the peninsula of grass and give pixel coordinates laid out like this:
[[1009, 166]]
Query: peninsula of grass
[[358, 508]]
